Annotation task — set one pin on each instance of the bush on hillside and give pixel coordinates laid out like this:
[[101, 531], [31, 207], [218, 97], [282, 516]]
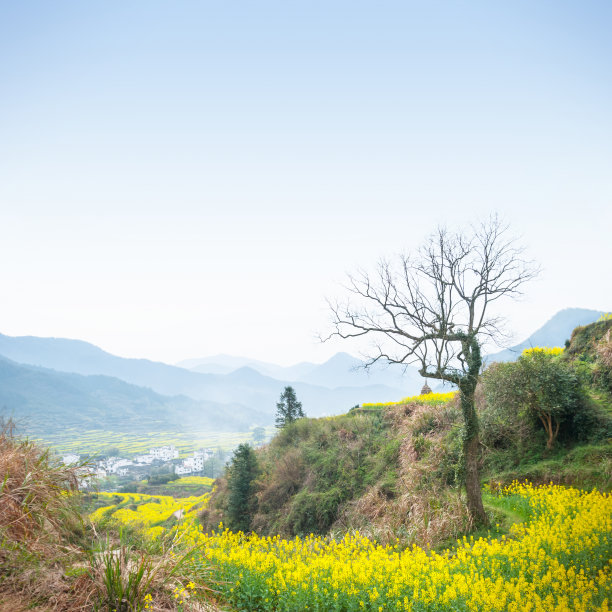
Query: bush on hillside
[[584, 340], [538, 396]]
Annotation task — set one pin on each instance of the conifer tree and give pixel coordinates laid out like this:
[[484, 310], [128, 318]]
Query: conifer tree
[[241, 503], [288, 409]]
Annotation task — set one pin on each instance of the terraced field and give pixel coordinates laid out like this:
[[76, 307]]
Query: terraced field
[[97, 441]]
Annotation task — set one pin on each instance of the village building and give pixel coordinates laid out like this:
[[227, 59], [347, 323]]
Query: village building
[[164, 453]]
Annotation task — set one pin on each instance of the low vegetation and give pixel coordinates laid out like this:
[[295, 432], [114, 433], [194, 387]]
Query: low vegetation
[[55, 558], [556, 560], [357, 512]]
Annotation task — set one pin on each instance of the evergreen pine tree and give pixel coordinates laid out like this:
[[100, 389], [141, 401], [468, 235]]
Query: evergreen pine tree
[[288, 409], [241, 503]]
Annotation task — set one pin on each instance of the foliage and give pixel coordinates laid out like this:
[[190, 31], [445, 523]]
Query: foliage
[[162, 478], [241, 501], [584, 340], [358, 471], [313, 467], [538, 385], [288, 409], [587, 466]]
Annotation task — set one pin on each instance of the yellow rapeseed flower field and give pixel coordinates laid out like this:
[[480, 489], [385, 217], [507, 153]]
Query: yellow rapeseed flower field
[[546, 350], [427, 398], [559, 559]]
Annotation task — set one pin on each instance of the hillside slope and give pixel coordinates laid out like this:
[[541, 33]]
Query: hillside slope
[[44, 400], [395, 471]]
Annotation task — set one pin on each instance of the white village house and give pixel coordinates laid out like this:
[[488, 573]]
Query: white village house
[[164, 453], [191, 464], [144, 459]]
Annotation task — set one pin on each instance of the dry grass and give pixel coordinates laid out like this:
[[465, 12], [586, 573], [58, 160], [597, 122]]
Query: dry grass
[[39, 520], [48, 561], [604, 350], [36, 507], [424, 510]]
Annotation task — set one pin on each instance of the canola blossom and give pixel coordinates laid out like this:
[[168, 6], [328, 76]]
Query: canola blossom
[[546, 350], [152, 514], [427, 398], [194, 480], [559, 559]]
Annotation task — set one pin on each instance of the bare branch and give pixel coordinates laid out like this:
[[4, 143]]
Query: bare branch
[[425, 310]]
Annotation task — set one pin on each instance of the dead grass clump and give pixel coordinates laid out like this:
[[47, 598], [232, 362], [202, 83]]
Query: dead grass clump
[[37, 508], [276, 489], [425, 510], [604, 350], [46, 555], [39, 518]]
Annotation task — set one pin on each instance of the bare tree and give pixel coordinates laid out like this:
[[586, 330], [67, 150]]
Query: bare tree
[[433, 310]]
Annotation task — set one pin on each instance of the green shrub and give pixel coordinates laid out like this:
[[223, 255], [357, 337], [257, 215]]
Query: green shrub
[[538, 387], [314, 512]]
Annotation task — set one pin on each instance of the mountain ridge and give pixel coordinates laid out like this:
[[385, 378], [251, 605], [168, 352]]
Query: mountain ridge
[[325, 389], [49, 399]]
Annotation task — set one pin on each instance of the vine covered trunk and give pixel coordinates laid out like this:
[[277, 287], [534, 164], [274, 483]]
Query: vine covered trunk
[[471, 443]]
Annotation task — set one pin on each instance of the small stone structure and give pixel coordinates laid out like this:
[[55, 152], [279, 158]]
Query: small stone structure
[[426, 390]]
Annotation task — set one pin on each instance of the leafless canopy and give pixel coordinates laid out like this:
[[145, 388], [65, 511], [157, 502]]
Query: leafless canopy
[[420, 310]]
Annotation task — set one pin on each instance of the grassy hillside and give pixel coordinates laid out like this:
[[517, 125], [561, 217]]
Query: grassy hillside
[[394, 470]]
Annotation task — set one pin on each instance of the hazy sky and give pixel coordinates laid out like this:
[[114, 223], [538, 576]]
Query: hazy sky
[[179, 179]]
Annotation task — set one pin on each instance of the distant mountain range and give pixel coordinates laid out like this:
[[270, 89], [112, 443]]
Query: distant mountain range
[[346, 370], [341, 370], [45, 400], [55, 380]]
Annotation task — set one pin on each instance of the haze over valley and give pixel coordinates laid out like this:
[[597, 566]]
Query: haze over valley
[[51, 384]]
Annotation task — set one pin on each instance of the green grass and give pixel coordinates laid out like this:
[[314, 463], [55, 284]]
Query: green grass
[[586, 466]]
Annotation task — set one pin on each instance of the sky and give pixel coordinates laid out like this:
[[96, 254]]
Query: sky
[[181, 179]]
